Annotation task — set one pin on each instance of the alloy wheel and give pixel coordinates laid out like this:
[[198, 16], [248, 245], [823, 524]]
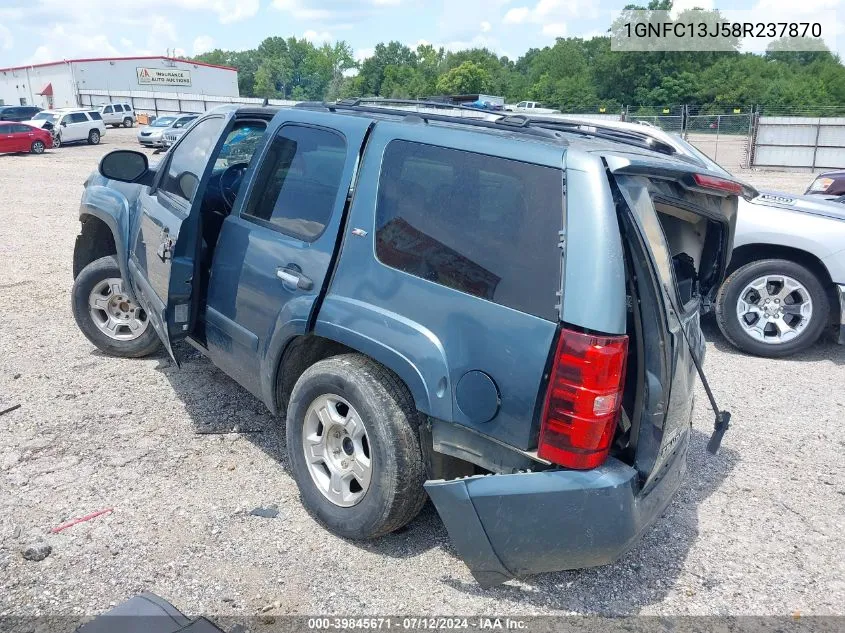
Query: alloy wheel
[[774, 309]]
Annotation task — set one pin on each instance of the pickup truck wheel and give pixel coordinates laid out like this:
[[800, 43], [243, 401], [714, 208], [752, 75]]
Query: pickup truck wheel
[[106, 316], [772, 308], [353, 447], [93, 137]]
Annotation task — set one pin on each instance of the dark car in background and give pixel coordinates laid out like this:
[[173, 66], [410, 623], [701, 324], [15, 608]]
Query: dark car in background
[[831, 183], [18, 113]]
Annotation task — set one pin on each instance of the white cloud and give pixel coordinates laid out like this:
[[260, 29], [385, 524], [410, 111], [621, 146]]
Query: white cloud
[[6, 39], [386, 2], [517, 15], [552, 14], [203, 44], [363, 53], [555, 29], [296, 9], [486, 26], [318, 38]]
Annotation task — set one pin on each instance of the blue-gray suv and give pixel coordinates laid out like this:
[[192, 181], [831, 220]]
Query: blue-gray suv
[[497, 314]]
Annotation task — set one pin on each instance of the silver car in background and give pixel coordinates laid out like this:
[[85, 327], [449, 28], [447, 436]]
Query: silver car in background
[[153, 135], [786, 278]]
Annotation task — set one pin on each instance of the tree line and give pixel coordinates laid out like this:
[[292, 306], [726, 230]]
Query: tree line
[[573, 74]]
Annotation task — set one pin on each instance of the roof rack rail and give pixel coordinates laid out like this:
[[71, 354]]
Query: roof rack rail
[[351, 106], [597, 130], [412, 102]]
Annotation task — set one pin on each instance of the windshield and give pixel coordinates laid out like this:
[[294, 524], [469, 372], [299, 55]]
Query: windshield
[[163, 121], [45, 116]]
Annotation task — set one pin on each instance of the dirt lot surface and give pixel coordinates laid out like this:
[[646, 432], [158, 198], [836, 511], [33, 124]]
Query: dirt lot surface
[[183, 456]]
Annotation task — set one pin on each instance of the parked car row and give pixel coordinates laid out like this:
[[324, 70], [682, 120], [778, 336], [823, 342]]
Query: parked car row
[[165, 130], [32, 129]]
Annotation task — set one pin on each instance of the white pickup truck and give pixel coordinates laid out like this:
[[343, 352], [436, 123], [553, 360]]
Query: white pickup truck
[[530, 106]]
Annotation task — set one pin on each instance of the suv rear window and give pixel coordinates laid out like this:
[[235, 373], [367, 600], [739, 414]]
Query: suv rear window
[[479, 224]]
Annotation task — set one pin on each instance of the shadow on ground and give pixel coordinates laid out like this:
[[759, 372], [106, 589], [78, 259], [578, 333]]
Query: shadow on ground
[[216, 404], [824, 349]]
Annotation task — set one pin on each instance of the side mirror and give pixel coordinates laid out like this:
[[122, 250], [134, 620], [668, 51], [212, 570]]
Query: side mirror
[[124, 165], [64, 123]]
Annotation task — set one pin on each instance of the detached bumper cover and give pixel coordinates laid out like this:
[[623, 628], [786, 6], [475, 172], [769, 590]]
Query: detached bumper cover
[[506, 526], [840, 291]]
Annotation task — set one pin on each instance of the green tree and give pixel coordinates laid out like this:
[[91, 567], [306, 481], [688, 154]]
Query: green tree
[[468, 78]]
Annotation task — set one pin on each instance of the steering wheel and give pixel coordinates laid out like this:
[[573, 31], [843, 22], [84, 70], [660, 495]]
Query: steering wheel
[[230, 182]]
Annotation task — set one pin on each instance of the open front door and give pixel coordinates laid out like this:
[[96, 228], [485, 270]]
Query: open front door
[[165, 239]]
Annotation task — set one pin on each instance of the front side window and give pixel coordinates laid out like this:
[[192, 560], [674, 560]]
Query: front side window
[[483, 225], [240, 144], [189, 158], [76, 117], [297, 187]]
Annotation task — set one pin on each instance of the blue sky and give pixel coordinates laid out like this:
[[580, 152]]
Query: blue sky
[[33, 31]]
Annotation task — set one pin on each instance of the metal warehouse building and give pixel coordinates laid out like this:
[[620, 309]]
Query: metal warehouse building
[[62, 84]]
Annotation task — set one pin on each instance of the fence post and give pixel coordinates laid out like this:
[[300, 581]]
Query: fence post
[[816, 144], [718, 129], [750, 139]]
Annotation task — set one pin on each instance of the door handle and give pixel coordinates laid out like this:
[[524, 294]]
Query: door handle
[[294, 277]]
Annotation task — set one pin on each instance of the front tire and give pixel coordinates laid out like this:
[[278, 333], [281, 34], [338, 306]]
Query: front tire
[[57, 141], [353, 447], [94, 137], [37, 147], [772, 308], [106, 316]]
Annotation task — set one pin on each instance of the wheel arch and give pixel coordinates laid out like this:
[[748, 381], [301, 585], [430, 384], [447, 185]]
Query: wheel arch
[[304, 350], [104, 216]]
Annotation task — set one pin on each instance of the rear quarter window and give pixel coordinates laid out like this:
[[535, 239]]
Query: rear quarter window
[[479, 224]]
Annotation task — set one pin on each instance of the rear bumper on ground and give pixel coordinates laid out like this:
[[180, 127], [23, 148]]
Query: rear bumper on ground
[[506, 526]]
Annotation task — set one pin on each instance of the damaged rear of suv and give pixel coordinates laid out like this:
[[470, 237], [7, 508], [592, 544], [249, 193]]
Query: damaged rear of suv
[[498, 314]]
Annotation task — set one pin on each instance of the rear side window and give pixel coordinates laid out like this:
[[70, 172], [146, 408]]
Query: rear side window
[[95, 116], [107, 110], [479, 224], [298, 184], [118, 108]]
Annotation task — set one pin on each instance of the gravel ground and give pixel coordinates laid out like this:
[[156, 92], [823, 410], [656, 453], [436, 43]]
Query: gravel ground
[[755, 530]]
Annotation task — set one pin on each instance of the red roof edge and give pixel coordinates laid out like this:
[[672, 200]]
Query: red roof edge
[[118, 59], [46, 91]]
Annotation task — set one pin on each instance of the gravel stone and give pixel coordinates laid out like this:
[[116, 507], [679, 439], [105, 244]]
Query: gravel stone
[[754, 530], [37, 551]]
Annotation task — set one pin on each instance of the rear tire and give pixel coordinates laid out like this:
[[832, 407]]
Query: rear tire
[[37, 147], [363, 393], [94, 137], [805, 311], [127, 122], [85, 286]]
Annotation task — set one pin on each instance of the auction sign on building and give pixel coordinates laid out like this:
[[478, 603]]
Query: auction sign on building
[[163, 77]]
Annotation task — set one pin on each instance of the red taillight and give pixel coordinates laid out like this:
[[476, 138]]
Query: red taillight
[[583, 399], [719, 184]]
